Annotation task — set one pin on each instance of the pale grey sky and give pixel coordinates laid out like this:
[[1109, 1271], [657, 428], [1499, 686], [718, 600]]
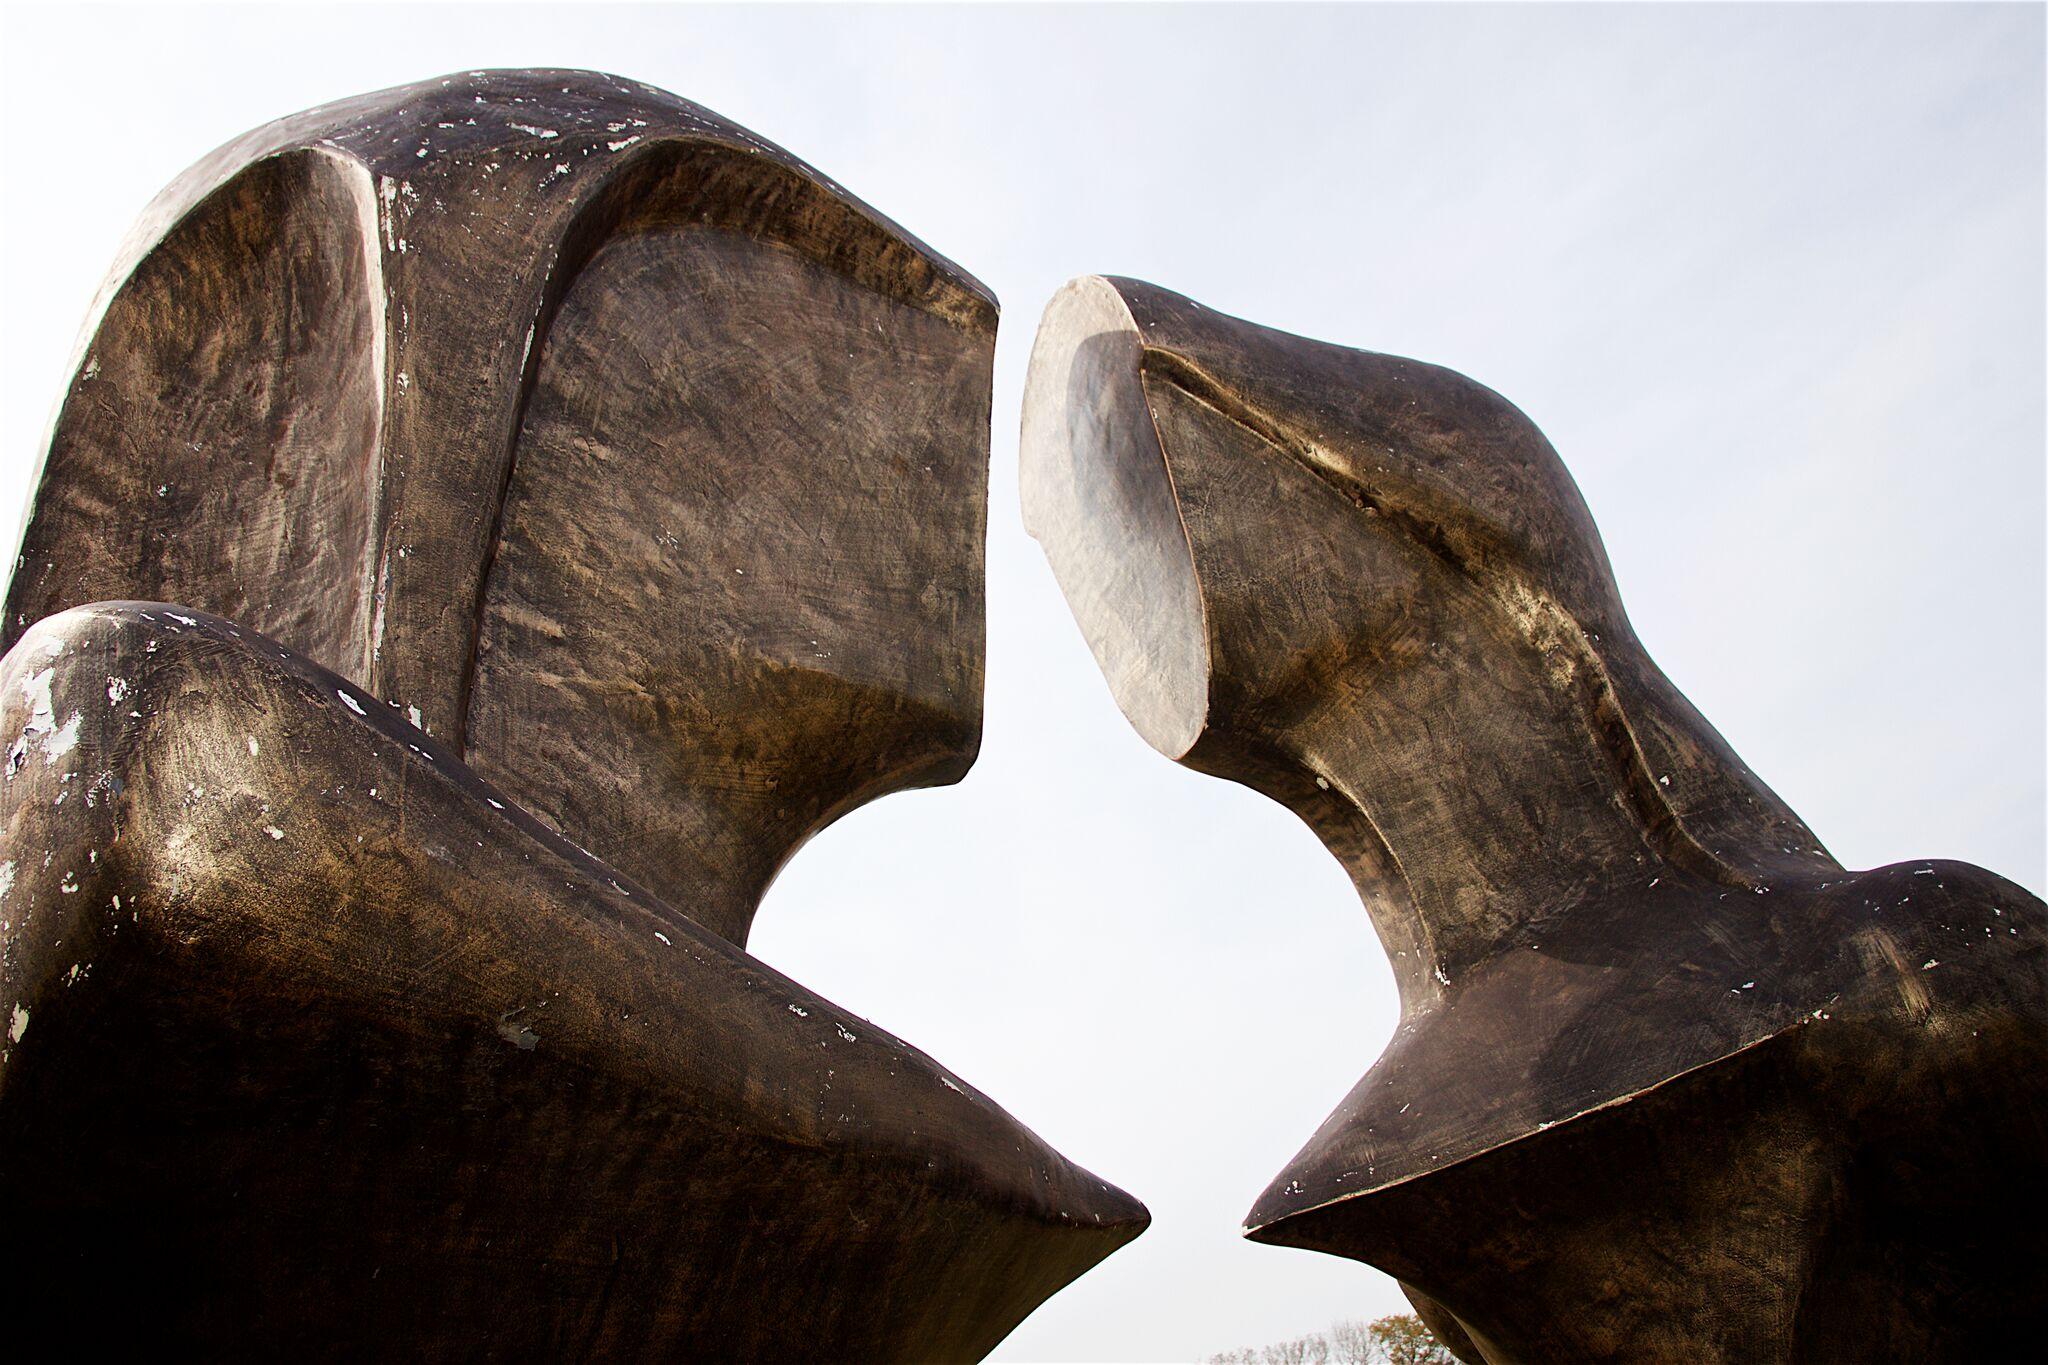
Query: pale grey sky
[[1770, 278]]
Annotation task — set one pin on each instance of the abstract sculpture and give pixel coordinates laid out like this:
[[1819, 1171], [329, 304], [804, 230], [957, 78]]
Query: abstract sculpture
[[1669, 1084], [519, 510]]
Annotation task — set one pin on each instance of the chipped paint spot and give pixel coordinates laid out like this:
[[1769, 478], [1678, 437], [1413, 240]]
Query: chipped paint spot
[[351, 703], [387, 193], [19, 1025], [117, 688], [42, 720], [41, 714], [63, 740], [519, 1035], [254, 747], [273, 831]]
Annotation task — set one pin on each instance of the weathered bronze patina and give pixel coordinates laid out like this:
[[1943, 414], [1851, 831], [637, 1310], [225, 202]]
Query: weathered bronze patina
[[1670, 1084], [566, 504]]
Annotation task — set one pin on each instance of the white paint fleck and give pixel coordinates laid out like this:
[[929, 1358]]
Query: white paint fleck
[[19, 1026], [799, 1011], [664, 939], [622, 145], [254, 747], [412, 713], [351, 703], [542, 133], [843, 1033], [117, 688], [6, 878], [36, 691], [63, 740], [273, 831]]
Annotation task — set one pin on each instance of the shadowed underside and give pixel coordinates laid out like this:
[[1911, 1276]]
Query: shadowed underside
[[1669, 1083], [570, 504]]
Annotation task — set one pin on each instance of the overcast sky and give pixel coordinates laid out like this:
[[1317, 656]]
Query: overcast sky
[[1771, 279]]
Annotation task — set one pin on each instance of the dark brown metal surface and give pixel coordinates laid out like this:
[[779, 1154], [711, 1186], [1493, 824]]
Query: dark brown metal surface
[[566, 504], [1669, 1083]]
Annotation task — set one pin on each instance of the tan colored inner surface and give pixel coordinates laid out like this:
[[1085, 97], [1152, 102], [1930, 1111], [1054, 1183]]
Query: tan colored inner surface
[[1099, 498]]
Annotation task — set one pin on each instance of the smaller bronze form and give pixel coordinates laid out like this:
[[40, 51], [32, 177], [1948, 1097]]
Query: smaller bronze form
[[567, 504], [1669, 1083]]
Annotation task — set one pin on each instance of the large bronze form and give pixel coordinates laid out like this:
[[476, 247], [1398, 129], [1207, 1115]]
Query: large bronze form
[[1669, 1083], [493, 523]]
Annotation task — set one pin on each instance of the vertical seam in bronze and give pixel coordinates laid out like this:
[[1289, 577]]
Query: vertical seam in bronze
[[553, 287]]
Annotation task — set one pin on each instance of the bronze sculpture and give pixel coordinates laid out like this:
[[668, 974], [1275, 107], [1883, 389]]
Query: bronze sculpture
[[1670, 1084], [493, 523]]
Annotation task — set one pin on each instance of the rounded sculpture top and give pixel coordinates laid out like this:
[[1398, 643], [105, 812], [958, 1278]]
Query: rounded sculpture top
[[1411, 455], [616, 447]]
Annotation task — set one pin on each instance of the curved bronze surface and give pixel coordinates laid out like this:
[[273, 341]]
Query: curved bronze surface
[[1669, 1083], [548, 506]]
